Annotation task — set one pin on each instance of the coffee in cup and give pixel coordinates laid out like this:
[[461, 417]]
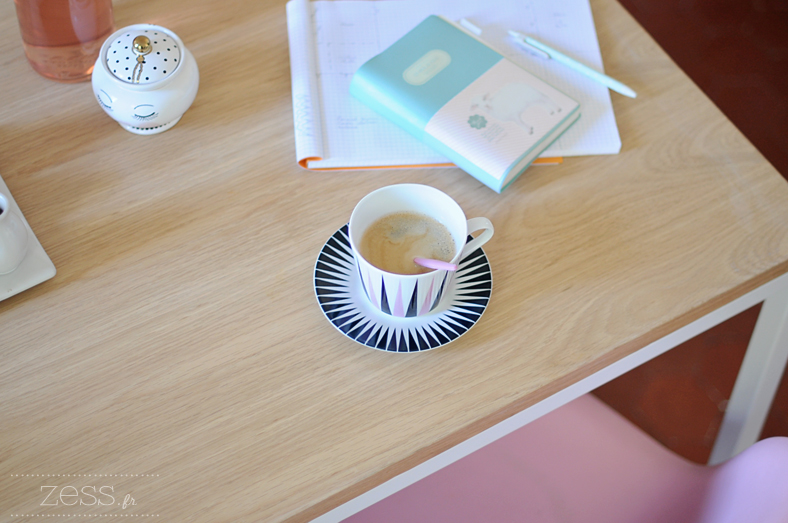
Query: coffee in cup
[[390, 285], [393, 241]]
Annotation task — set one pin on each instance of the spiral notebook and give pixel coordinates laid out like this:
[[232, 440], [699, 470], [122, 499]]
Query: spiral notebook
[[330, 40]]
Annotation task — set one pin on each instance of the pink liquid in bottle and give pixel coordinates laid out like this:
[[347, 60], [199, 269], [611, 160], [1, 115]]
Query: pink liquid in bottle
[[62, 38]]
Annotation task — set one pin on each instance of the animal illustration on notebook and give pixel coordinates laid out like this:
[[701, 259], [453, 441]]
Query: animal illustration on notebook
[[510, 102]]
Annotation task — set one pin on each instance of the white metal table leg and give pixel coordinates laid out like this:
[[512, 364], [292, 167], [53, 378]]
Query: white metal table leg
[[757, 381]]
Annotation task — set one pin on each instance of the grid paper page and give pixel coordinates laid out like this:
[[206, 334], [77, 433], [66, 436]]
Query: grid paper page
[[348, 33]]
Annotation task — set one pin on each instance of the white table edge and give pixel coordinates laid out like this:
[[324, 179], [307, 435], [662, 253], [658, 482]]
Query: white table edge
[[753, 392]]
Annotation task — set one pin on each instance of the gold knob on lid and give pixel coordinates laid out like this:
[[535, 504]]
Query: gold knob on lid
[[142, 45]]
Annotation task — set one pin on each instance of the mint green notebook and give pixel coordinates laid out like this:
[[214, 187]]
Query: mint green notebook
[[465, 100]]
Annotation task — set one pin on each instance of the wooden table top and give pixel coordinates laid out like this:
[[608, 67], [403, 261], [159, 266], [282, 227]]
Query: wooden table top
[[181, 346]]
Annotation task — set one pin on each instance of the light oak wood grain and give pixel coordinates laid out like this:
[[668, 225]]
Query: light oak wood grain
[[181, 341]]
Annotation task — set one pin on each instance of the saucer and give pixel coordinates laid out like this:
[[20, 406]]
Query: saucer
[[344, 304], [35, 268]]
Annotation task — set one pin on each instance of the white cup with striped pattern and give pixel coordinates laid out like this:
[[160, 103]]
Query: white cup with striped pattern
[[410, 295]]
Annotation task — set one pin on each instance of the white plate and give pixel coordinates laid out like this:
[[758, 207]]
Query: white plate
[[35, 268], [344, 304]]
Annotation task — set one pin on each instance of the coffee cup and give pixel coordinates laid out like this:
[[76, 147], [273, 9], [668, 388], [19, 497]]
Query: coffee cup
[[411, 295], [13, 237]]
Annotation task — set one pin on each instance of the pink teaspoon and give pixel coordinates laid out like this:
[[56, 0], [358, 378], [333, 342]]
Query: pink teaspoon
[[435, 264]]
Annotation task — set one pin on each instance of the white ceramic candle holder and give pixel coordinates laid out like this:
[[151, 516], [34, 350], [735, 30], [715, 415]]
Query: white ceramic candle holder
[[145, 78]]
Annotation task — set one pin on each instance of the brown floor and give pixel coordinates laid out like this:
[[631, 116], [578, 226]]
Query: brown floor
[[736, 51]]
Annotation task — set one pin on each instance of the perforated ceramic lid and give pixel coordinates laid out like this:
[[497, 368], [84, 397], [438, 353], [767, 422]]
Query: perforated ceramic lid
[[155, 56]]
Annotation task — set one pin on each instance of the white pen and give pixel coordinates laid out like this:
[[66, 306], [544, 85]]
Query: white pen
[[548, 52]]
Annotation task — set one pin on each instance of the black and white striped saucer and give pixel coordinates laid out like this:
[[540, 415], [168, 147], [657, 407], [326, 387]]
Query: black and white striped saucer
[[344, 304]]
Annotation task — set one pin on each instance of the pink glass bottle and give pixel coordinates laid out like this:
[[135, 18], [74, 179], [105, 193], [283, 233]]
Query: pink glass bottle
[[62, 38]]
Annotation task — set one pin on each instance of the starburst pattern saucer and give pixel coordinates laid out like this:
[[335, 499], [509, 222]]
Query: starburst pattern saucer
[[345, 305]]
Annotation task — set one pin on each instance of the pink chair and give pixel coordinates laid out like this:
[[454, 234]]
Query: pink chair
[[585, 463]]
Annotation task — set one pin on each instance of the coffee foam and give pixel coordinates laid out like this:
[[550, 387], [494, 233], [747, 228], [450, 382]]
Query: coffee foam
[[392, 242]]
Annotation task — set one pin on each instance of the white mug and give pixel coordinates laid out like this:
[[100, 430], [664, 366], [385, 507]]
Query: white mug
[[409, 295], [13, 237]]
